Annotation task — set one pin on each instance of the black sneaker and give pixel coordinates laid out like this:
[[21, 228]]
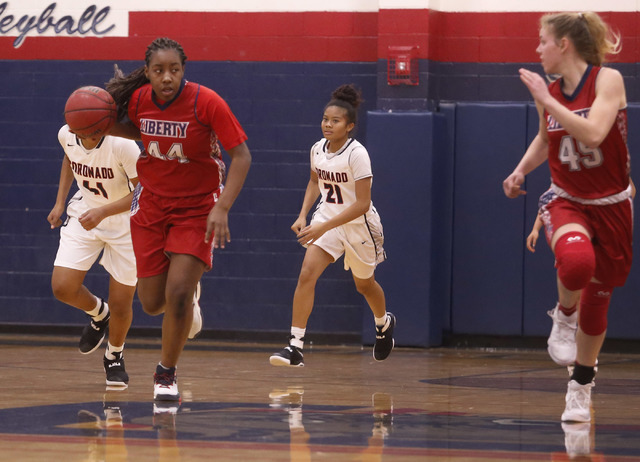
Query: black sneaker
[[289, 356], [116, 374], [93, 334], [384, 338]]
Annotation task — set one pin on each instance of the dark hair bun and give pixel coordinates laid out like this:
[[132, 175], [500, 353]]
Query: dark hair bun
[[348, 93]]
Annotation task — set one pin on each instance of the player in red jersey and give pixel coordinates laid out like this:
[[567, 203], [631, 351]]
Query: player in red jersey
[[588, 222], [174, 223]]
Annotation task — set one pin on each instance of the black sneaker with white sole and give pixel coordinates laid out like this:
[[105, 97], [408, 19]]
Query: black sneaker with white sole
[[289, 356], [93, 334], [384, 339], [116, 374]]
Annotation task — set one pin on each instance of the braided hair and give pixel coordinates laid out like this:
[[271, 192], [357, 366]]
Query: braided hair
[[122, 86]]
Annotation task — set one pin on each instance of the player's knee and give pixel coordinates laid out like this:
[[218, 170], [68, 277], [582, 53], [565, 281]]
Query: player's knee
[[575, 260], [594, 305], [62, 290], [307, 277], [365, 286], [152, 305]]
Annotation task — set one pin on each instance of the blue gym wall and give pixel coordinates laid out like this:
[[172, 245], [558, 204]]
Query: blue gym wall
[[457, 262], [457, 265], [252, 283]]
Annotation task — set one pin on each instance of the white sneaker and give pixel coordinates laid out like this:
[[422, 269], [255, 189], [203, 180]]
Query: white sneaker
[[577, 439], [196, 324], [165, 386], [562, 341], [578, 402]]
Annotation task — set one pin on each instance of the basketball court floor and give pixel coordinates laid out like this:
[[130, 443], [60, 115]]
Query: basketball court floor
[[439, 404]]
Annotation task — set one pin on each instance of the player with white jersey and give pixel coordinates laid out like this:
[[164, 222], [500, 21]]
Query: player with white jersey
[[360, 239], [97, 222], [345, 222]]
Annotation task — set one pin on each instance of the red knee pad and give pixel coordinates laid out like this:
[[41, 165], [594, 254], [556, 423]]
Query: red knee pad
[[575, 260], [594, 305]]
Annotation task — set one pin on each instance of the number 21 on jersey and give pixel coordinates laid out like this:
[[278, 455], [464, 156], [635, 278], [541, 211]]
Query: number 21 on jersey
[[334, 194]]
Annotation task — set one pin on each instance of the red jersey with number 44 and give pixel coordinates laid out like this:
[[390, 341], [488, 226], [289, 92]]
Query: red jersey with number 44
[[181, 155], [583, 171]]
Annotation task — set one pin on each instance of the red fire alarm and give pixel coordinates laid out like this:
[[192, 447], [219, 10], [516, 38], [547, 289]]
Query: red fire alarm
[[402, 65]]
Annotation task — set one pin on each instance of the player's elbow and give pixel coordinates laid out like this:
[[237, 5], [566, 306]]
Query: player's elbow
[[593, 141], [595, 137]]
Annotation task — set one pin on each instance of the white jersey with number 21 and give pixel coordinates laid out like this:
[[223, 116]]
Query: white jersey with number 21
[[337, 175]]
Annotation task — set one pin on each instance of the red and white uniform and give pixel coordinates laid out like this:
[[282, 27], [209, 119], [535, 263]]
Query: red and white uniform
[[102, 175], [591, 185], [361, 239], [180, 172], [180, 137], [581, 171]]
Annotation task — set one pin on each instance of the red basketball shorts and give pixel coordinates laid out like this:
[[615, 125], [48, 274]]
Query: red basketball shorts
[[610, 227], [162, 226]]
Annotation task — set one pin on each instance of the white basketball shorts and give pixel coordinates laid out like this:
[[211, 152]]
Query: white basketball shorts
[[79, 249], [361, 244]]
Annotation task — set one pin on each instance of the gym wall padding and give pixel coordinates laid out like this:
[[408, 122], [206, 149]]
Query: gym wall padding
[[539, 292], [624, 311], [407, 182], [498, 287], [487, 228]]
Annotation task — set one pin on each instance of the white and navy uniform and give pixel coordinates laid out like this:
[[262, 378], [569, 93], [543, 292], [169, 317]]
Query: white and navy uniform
[[102, 175], [361, 239]]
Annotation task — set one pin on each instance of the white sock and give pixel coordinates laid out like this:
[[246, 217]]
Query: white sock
[[111, 349], [96, 314], [298, 336], [380, 321]]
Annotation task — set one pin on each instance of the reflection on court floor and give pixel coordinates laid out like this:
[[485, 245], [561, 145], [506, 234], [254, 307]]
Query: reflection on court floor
[[420, 405]]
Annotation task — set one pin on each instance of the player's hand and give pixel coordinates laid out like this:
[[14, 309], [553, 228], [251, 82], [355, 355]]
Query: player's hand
[[91, 218], [310, 233], [297, 226], [532, 239], [511, 185], [54, 217], [218, 226], [536, 85]]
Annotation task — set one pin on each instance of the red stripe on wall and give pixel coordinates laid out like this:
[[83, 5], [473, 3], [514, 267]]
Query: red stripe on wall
[[309, 36], [510, 37], [322, 36]]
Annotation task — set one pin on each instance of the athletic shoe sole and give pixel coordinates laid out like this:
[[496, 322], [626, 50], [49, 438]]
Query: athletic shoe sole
[[280, 361]]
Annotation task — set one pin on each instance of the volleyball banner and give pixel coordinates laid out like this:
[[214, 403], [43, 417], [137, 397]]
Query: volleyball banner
[[293, 30]]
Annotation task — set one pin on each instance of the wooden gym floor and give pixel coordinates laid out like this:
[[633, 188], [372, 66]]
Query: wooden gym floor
[[419, 405]]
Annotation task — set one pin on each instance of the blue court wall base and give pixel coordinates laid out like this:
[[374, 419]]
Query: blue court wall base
[[405, 149]]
